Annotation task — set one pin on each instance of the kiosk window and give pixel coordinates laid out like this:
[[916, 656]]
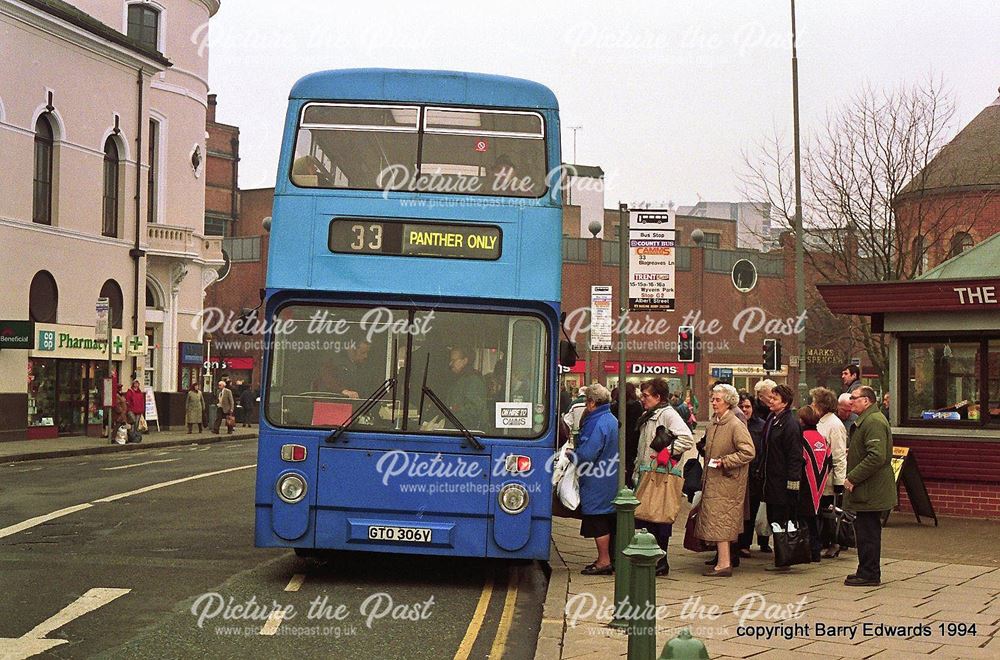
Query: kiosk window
[[943, 381]]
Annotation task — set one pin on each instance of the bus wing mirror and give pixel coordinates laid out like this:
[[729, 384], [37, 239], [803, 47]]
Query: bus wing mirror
[[567, 353]]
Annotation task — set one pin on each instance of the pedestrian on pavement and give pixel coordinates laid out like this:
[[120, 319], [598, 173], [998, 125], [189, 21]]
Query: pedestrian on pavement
[[729, 451], [851, 378], [782, 459], [194, 407], [576, 409], [762, 392], [136, 400], [824, 401], [225, 406], [755, 478], [845, 412], [885, 405], [597, 466], [815, 473], [871, 489], [633, 411], [248, 401], [119, 416], [658, 423]]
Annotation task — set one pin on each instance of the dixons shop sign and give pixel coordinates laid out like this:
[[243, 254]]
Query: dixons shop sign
[[652, 369]]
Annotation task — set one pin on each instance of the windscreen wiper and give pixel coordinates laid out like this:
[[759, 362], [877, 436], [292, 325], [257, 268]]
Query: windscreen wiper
[[450, 416], [372, 399]]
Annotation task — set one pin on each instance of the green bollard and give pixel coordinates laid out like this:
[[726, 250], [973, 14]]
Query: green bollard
[[684, 647], [642, 553], [625, 504]]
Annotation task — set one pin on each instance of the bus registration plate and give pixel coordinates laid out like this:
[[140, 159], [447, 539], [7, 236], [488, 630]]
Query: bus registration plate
[[408, 534]]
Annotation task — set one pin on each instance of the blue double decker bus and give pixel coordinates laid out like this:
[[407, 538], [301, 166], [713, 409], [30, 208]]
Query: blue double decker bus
[[409, 402]]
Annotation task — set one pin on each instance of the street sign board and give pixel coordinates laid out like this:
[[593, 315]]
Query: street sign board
[[601, 323], [103, 318], [651, 241], [136, 345]]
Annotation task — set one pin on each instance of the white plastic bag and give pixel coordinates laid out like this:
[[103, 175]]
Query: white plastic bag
[[565, 480], [121, 435], [760, 522]]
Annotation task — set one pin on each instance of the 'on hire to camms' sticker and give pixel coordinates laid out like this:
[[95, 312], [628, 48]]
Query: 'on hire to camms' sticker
[[513, 415]]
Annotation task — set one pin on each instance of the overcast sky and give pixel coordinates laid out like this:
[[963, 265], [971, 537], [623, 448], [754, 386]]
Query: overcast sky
[[668, 94]]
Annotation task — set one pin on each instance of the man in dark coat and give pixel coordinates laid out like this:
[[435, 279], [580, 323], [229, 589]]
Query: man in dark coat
[[851, 378], [870, 486]]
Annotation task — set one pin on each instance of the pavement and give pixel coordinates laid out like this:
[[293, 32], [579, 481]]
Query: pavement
[[927, 606], [29, 450]]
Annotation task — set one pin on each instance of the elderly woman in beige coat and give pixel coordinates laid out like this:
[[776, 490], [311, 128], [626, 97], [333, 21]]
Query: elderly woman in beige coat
[[728, 452]]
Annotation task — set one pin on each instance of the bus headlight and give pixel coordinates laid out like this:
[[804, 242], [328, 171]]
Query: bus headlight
[[513, 498], [291, 488]]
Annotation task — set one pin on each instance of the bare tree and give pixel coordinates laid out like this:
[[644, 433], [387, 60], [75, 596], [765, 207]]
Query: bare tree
[[876, 146]]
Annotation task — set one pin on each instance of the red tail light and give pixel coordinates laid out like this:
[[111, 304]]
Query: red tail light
[[294, 453]]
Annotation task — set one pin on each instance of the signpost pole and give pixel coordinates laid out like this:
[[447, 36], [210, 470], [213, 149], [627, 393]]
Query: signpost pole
[[107, 409], [625, 502]]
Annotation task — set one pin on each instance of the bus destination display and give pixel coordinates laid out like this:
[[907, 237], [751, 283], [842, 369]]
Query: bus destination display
[[406, 239]]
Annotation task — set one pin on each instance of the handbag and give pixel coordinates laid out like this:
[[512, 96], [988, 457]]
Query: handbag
[[692, 477], [846, 536], [659, 494], [141, 425], [791, 544], [691, 541]]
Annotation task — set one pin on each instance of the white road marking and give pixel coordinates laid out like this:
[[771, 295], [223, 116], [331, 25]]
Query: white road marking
[[273, 622], [125, 467], [146, 489], [38, 520], [33, 642], [296, 582]]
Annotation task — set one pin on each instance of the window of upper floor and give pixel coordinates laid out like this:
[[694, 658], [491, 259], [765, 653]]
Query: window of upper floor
[[144, 24]]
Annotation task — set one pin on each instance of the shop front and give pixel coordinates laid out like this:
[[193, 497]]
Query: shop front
[[744, 376], [677, 374], [944, 374], [190, 364], [65, 376]]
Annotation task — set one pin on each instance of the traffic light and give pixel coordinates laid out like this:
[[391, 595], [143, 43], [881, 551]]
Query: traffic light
[[772, 355], [685, 343]]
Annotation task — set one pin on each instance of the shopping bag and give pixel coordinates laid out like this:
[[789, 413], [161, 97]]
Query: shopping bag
[[566, 486], [141, 425], [828, 524], [760, 522], [691, 541], [846, 537], [659, 494], [791, 544], [121, 435]]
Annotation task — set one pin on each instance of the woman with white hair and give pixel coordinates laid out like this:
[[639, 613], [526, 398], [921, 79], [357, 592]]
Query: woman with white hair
[[729, 450], [597, 463]]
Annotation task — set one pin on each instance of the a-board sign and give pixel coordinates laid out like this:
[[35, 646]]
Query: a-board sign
[[904, 465]]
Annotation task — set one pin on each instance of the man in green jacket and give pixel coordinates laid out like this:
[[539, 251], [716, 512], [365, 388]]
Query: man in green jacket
[[870, 486]]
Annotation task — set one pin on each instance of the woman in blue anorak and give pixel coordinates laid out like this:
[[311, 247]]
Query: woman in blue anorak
[[597, 466]]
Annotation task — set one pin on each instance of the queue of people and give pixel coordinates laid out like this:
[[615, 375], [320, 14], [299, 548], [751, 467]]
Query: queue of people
[[763, 459]]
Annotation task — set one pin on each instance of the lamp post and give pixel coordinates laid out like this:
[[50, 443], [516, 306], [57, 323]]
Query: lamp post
[[698, 237], [625, 502], [800, 287]]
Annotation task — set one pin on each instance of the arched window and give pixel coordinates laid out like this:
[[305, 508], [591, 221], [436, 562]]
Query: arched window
[[919, 254], [113, 293], [41, 208], [960, 242], [144, 25], [43, 298], [110, 225]]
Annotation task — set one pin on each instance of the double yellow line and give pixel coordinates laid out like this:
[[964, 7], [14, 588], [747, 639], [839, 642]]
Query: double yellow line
[[479, 616]]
